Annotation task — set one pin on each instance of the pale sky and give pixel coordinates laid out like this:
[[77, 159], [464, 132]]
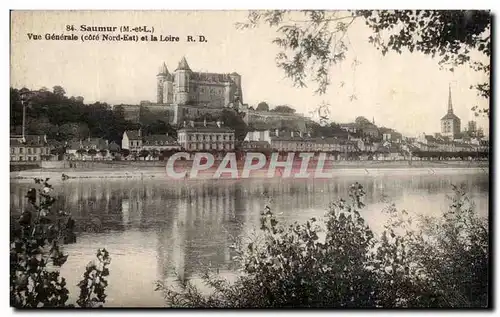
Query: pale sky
[[407, 92]]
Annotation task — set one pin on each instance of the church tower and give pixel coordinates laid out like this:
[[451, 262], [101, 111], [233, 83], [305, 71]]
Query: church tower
[[182, 76], [164, 86], [450, 123]]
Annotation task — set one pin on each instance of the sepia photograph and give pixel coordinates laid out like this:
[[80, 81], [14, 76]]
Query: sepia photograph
[[250, 159]]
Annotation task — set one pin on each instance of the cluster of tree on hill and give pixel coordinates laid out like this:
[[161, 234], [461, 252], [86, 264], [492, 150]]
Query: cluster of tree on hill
[[64, 118], [263, 106]]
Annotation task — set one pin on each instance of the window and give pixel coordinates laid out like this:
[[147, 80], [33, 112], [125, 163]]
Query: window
[[11, 150], [21, 150], [20, 158]]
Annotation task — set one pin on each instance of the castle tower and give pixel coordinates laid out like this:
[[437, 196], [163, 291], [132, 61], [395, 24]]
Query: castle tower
[[182, 75], [164, 85], [236, 91], [450, 123]]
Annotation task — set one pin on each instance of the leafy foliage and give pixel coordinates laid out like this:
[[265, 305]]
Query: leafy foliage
[[284, 109], [262, 106], [311, 41], [62, 118], [93, 284], [340, 262], [36, 255]]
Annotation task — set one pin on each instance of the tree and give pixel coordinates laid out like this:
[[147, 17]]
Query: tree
[[36, 256], [92, 153], [103, 152], [283, 109], [263, 106], [234, 120], [362, 121], [315, 40], [155, 153], [144, 154], [350, 266], [81, 152], [59, 91], [125, 152]]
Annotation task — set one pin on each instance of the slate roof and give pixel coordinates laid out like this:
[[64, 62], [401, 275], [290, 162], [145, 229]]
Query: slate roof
[[450, 116], [209, 127], [32, 140], [159, 139], [133, 135]]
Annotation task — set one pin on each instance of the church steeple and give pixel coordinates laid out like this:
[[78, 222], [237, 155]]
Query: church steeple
[[450, 105]]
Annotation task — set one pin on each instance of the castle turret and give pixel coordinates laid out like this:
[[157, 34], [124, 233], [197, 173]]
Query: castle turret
[[182, 75], [164, 85], [236, 87]]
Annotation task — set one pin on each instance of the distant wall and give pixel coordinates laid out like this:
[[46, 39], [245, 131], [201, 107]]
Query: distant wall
[[55, 164]]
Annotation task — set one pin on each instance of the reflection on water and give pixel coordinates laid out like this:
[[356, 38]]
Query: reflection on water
[[155, 229]]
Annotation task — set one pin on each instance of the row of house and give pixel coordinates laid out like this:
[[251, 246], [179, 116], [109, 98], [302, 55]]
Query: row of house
[[204, 136], [192, 136], [28, 147], [392, 146]]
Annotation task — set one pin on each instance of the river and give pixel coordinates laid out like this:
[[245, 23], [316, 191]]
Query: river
[[157, 229]]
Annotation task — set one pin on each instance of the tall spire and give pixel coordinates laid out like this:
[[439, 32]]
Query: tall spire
[[450, 105]]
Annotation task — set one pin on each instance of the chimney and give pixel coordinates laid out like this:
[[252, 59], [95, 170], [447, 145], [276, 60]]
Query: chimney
[[277, 132]]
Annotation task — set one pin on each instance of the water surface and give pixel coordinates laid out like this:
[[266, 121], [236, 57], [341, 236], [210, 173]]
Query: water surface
[[157, 229]]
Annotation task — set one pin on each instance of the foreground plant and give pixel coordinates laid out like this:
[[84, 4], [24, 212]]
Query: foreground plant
[[36, 256], [339, 262]]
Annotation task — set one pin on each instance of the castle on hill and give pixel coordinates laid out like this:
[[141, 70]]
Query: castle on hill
[[184, 95], [185, 87]]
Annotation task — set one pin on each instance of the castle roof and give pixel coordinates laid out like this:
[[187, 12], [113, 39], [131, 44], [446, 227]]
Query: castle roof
[[210, 77], [450, 116], [163, 70], [183, 65]]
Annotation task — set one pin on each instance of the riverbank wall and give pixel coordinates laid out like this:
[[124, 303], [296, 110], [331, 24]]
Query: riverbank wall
[[156, 169]]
